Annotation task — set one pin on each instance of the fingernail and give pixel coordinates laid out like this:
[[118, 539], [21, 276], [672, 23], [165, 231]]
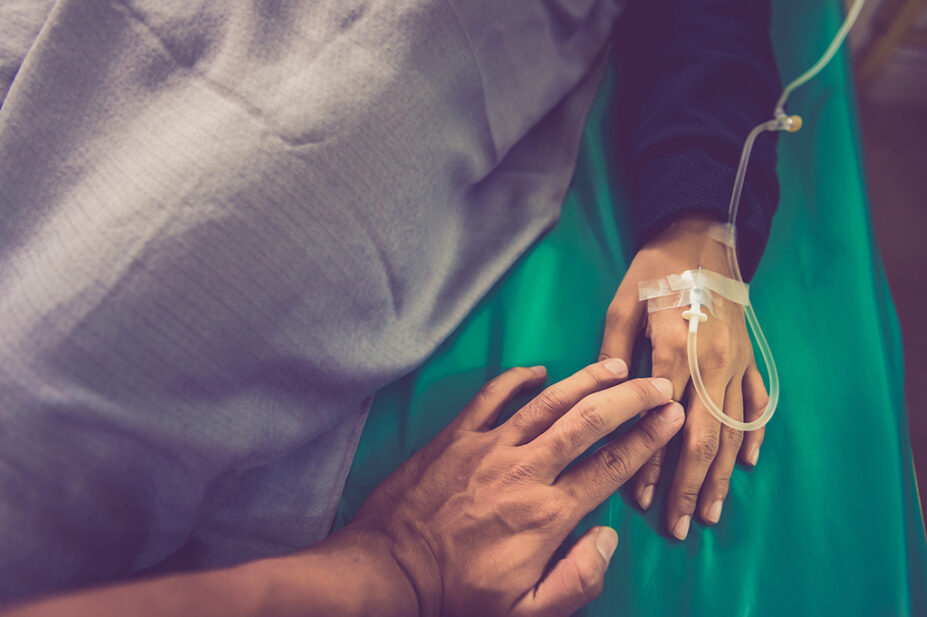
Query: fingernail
[[681, 530], [540, 370], [714, 512], [754, 455], [671, 413], [616, 366], [664, 386], [606, 540], [646, 496]]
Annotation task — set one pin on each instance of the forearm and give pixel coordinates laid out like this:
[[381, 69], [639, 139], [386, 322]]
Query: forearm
[[703, 75], [349, 574]]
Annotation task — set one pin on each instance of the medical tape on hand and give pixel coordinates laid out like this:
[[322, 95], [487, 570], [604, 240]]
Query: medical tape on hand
[[691, 287]]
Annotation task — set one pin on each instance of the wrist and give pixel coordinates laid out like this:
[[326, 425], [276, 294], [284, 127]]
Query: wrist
[[703, 228], [693, 241], [410, 563], [352, 572]]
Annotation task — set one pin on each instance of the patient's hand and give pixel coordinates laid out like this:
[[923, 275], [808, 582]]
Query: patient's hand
[[709, 451], [474, 518]]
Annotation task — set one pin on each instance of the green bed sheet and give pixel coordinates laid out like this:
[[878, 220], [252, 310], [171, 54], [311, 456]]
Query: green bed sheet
[[829, 522]]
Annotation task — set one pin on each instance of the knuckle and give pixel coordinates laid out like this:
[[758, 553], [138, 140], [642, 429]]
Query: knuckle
[[570, 500], [491, 387], [722, 336], [615, 463], [655, 462], [759, 400], [561, 447], [670, 334], [677, 338], [501, 384], [527, 422], [519, 514], [665, 359], [541, 516], [592, 587], [523, 420], [719, 354], [649, 432], [732, 437], [521, 471], [640, 390], [584, 582], [649, 473], [589, 417], [552, 399], [688, 496], [722, 483], [617, 314], [598, 375], [702, 448], [520, 373]]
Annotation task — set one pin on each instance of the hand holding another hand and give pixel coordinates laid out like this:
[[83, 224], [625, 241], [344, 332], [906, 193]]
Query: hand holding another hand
[[467, 526], [709, 450], [472, 520]]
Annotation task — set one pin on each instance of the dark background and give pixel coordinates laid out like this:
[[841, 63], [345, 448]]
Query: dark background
[[890, 62]]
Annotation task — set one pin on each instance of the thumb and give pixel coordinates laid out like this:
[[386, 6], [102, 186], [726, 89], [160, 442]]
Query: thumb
[[575, 581], [622, 325]]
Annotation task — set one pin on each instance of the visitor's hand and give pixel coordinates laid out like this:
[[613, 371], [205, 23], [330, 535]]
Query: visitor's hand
[[709, 450], [467, 526], [474, 518]]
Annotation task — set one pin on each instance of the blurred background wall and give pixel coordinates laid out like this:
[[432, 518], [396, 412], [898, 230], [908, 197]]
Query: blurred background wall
[[889, 49]]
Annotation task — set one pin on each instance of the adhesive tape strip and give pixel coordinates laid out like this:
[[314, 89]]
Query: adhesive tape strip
[[691, 287], [684, 298], [735, 291]]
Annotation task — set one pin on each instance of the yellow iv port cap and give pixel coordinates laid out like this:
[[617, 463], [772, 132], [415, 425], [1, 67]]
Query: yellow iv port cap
[[794, 124]]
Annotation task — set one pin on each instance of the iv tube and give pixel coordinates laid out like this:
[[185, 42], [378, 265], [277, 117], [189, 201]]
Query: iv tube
[[780, 122]]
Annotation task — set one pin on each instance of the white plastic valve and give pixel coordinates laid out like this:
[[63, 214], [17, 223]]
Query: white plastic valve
[[695, 316]]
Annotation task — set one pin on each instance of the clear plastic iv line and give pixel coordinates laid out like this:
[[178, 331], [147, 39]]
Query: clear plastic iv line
[[780, 122]]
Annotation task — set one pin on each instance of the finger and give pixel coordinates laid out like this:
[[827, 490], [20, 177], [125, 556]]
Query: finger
[[596, 478], [755, 401], [718, 480], [575, 581], [481, 412], [645, 481], [668, 362], [594, 417], [538, 415], [623, 322], [700, 439]]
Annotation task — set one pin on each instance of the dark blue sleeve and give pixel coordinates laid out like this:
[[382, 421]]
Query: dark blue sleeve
[[696, 77]]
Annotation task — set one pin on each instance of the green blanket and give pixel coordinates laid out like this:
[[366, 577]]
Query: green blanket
[[829, 521]]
